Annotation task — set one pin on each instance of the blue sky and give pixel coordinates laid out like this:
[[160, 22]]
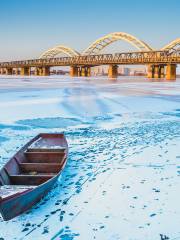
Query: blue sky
[[29, 27]]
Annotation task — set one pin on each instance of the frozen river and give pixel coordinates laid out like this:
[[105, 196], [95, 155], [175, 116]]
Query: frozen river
[[122, 179]]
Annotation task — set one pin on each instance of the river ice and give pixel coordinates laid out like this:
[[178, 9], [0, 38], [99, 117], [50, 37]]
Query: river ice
[[122, 178]]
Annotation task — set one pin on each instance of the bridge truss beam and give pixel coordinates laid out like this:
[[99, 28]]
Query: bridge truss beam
[[82, 64]]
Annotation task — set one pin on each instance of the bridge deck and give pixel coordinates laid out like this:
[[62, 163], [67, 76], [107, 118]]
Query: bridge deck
[[154, 57]]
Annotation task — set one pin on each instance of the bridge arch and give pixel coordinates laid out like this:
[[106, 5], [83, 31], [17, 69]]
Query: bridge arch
[[172, 45], [102, 42], [52, 52]]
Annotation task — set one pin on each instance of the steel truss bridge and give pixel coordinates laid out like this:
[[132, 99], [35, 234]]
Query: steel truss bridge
[[157, 61]]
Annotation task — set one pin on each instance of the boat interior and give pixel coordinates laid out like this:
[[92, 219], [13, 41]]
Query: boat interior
[[34, 164]]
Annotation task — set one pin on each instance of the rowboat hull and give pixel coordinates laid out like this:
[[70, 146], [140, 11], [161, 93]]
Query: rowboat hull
[[19, 204], [15, 204]]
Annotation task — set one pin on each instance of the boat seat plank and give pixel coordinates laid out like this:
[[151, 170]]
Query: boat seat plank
[[57, 150], [60, 153], [40, 167], [45, 157], [29, 179], [10, 190]]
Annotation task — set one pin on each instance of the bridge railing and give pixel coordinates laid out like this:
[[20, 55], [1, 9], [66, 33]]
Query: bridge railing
[[117, 58]]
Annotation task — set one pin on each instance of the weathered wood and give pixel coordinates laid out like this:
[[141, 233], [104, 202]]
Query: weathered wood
[[44, 157], [29, 175], [45, 150], [40, 167], [30, 179]]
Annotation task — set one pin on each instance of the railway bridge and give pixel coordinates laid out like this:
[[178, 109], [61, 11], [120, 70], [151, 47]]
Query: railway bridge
[[160, 63]]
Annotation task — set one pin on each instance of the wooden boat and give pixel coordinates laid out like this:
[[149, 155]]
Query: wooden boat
[[31, 173]]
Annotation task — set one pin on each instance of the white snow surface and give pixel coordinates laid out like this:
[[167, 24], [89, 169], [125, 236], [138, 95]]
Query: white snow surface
[[122, 178]]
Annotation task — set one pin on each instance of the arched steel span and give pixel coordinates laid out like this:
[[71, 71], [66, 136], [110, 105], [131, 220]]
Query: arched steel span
[[172, 45], [52, 52], [102, 42]]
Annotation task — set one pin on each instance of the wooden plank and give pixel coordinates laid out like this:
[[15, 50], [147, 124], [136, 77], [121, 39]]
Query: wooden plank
[[30, 179], [46, 149], [45, 157], [40, 167]]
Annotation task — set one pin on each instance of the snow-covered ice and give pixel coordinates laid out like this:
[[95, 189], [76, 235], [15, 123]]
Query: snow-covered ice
[[122, 178]]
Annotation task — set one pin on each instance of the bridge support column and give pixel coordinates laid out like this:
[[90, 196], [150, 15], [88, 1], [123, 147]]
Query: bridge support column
[[25, 71], [9, 71], [156, 71], [171, 72], [16, 71], [161, 71], [3, 71], [37, 71], [45, 71], [79, 70], [88, 71], [113, 71], [73, 71], [85, 71], [150, 71]]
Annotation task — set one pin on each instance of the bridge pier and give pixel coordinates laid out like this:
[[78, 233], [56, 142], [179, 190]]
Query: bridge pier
[[82, 71], [25, 71], [113, 71], [1, 71], [42, 71], [79, 71], [161, 71], [37, 71], [150, 71], [16, 71], [9, 71], [5, 71], [171, 72], [73, 71], [85, 71], [155, 71], [45, 71]]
